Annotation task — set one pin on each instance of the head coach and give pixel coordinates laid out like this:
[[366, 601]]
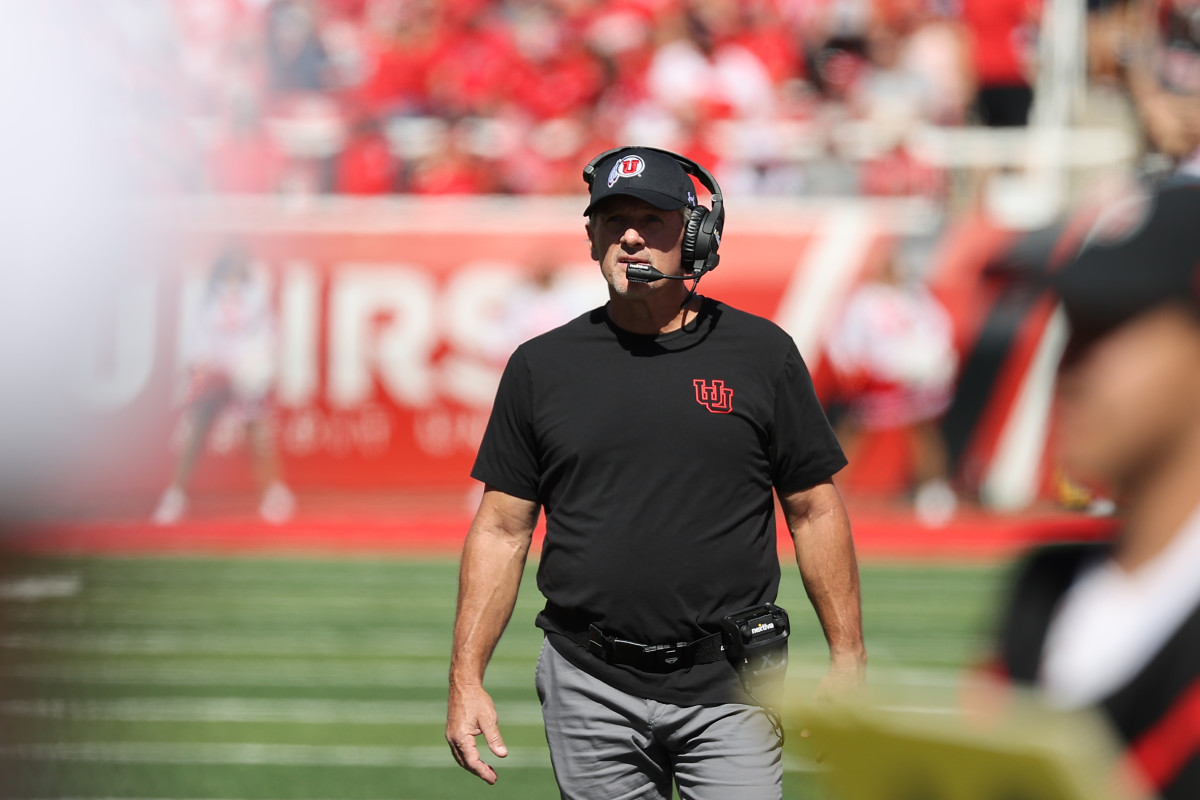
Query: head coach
[[653, 431]]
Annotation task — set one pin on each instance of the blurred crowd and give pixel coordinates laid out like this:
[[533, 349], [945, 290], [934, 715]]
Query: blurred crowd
[[779, 97]]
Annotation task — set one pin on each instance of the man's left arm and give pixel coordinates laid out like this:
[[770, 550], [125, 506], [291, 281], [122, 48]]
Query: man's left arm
[[820, 531]]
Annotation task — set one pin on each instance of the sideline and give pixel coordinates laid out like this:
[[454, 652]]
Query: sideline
[[880, 533]]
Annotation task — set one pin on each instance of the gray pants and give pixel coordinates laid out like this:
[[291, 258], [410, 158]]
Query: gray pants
[[608, 745]]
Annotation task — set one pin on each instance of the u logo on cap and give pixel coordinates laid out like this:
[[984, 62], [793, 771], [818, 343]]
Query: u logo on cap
[[626, 167]]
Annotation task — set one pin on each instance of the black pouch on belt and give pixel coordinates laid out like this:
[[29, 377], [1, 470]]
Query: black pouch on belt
[[755, 642]]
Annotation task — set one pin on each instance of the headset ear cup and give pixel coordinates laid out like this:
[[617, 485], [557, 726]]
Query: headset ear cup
[[696, 247]]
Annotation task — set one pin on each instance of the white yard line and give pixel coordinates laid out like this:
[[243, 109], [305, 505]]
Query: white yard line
[[264, 674], [240, 709], [255, 754], [500, 675], [262, 610], [168, 642], [41, 587], [425, 757]]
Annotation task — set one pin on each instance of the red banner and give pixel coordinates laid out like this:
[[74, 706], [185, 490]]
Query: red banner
[[393, 321]]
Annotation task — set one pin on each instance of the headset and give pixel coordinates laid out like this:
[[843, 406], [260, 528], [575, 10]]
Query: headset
[[702, 236]]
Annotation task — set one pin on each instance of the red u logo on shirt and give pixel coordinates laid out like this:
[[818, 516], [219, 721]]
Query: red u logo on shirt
[[715, 396]]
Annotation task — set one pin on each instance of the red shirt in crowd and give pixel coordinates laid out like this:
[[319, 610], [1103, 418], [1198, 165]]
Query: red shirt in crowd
[[470, 69], [563, 84], [366, 165], [999, 31], [399, 72], [448, 173]]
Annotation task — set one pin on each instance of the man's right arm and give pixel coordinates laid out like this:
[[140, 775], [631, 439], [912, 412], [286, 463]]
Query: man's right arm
[[493, 561]]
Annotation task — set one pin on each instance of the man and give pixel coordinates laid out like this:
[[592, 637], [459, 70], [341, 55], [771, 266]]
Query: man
[[652, 430], [1117, 626]]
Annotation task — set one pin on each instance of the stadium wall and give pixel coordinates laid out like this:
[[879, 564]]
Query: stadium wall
[[395, 318]]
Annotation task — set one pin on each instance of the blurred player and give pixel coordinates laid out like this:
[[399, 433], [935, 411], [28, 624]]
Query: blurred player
[[230, 358], [893, 350], [1117, 626], [652, 430]]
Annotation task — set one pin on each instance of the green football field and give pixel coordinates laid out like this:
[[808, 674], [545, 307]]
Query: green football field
[[298, 677]]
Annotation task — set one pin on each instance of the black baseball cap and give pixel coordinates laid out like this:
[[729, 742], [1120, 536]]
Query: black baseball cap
[[645, 173], [1142, 252]]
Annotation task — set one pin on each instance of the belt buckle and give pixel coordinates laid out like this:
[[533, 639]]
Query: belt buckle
[[599, 645], [627, 653], [669, 657]]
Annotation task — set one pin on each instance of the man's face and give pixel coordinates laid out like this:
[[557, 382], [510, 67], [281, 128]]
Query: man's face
[[626, 230], [1132, 397]]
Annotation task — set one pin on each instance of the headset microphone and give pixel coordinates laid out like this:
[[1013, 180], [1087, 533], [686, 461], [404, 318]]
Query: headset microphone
[[644, 273]]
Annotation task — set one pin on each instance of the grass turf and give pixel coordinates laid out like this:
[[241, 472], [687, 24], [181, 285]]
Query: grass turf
[[278, 678]]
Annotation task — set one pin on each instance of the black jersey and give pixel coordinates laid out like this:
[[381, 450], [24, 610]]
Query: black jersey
[[654, 458], [1156, 712]]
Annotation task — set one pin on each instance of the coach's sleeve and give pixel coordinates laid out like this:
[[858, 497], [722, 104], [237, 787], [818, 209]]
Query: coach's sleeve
[[507, 457], [804, 450]]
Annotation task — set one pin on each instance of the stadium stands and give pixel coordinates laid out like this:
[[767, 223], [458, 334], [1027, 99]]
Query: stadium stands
[[509, 96]]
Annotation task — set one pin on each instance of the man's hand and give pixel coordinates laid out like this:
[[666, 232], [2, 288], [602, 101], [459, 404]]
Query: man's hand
[[471, 713], [845, 677]]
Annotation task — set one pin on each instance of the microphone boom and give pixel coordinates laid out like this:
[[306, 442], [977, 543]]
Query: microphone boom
[[644, 273]]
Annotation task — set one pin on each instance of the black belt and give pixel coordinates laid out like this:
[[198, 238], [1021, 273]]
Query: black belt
[[649, 657]]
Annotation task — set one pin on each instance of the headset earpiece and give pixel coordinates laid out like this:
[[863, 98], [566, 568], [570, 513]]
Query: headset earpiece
[[692, 244], [709, 239]]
